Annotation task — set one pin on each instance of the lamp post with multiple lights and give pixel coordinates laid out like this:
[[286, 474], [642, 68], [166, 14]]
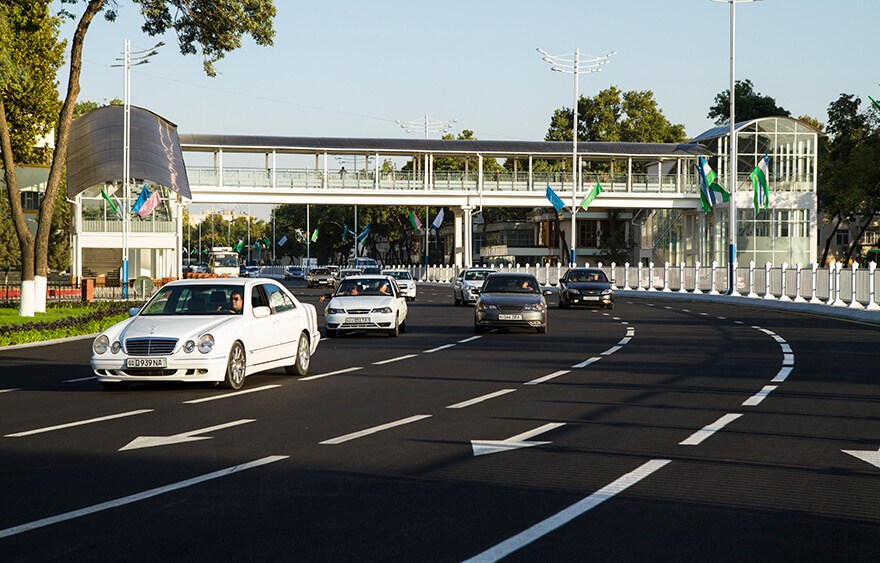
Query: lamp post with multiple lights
[[575, 63], [129, 59]]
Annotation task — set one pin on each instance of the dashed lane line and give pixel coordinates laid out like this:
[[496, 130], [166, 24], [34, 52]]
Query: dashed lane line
[[585, 363], [392, 360], [79, 379], [10, 390], [375, 429], [78, 423], [756, 399], [438, 348], [548, 377], [700, 435], [782, 375], [480, 399], [329, 373], [228, 395]]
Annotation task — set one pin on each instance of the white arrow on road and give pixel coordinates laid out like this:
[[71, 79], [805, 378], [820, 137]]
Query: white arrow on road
[[484, 447], [191, 436], [869, 456]]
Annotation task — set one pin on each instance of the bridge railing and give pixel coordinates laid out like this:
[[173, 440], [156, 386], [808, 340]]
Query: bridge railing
[[854, 287]]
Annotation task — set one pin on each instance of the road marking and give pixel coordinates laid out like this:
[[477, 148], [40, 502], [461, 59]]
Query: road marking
[[759, 396], [79, 379], [472, 338], [565, 516], [227, 395], [615, 318], [438, 348], [706, 314], [738, 322], [624, 340], [485, 447], [329, 373], [611, 350], [397, 359], [783, 373], [137, 497], [785, 348], [630, 331], [373, 430], [868, 456], [723, 318], [702, 434], [788, 359], [191, 436], [779, 339], [10, 390], [553, 375], [585, 363], [685, 310], [78, 423], [476, 400]]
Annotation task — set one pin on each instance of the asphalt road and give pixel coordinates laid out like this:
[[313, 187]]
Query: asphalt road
[[656, 431]]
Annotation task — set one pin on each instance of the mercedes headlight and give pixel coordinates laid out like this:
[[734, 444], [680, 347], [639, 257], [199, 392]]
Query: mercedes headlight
[[115, 347], [100, 345], [206, 343], [189, 346]]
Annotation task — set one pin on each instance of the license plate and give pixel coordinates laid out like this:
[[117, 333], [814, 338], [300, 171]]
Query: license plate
[[357, 320], [146, 363], [509, 317], [591, 298]]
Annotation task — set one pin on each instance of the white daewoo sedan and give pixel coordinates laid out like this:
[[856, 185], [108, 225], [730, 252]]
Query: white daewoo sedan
[[370, 303], [209, 330], [404, 280]]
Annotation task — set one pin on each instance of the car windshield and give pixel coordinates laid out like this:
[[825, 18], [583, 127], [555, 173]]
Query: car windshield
[[510, 284], [361, 287], [475, 276], [399, 275], [580, 276], [196, 300], [320, 272]]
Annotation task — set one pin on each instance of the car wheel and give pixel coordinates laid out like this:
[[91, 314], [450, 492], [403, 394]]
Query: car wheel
[[235, 367], [543, 329], [394, 331], [457, 300], [610, 306], [562, 304], [403, 328], [114, 385], [303, 357]]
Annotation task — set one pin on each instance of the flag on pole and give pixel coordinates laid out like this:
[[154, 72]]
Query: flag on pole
[[709, 186], [141, 200], [557, 202], [414, 220], [300, 235], [282, 240], [594, 193], [112, 204], [362, 236], [149, 205], [315, 235], [265, 241], [344, 232], [438, 220], [759, 183], [239, 246], [876, 103]]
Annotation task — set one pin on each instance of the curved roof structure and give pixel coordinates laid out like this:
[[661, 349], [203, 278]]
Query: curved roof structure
[[95, 151], [780, 124], [197, 142]]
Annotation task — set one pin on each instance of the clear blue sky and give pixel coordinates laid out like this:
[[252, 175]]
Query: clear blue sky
[[351, 68]]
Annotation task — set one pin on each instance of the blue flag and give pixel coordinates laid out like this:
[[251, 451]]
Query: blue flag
[[362, 236], [555, 199], [141, 200]]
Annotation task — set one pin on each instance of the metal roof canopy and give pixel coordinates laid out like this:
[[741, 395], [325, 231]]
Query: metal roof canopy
[[196, 142]]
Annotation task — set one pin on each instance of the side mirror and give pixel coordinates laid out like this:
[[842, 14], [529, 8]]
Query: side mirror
[[262, 312], [133, 311], [548, 292]]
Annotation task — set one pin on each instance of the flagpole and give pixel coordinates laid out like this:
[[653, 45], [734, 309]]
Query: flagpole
[[731, 258], [427, 226], [308, 238]]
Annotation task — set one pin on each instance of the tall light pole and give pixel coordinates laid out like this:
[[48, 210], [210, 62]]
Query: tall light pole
[[428, 125], [574, 63], [731, 253], [129, 59]]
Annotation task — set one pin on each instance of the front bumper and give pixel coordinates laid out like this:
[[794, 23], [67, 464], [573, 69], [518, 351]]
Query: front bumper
[[351, 321], [111, 367], [510, 319], [588, 299]]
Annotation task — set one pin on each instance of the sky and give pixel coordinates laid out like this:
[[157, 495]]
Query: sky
[[346, 68]]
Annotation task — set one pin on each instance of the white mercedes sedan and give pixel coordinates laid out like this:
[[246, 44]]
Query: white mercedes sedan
[[366, 303], [209, 331]]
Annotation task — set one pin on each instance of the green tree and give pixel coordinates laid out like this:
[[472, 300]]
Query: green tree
[[28, 94], [749, 105]]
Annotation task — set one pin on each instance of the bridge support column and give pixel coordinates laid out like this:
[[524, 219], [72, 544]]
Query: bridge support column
[[458, 246]]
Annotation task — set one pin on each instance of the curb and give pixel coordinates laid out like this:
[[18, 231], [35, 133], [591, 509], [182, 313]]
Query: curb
[[47, 342]]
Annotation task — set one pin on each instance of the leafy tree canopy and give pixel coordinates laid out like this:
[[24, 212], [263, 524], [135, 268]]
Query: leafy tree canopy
[[749, 105]]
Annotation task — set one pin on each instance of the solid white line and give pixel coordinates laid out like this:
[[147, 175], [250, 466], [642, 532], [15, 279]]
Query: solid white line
[[438, 348], [553, 375], [137, 497], [759, 396], [79, 423], [610, 351], [78, 380], [783, 373], [585, 363], [328, 374], [227, 395], [700, 435], [472, 338], [10, 390], [373, 430], [565, 516], [397, 359], [476, 400]]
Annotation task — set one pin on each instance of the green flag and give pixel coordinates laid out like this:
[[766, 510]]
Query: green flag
[[110, 202], [759, 183], [239, 246], [315, 235], [265, 241], [344, 232], [594, 193]]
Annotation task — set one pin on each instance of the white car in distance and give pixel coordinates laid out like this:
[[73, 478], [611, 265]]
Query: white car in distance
[[208, 331], [365, 303], [404, 280]]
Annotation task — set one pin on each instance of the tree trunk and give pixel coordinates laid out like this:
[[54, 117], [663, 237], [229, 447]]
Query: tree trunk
[[855, 243], [839, 218]]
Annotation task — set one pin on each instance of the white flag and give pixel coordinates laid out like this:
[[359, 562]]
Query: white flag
[[438, 220]]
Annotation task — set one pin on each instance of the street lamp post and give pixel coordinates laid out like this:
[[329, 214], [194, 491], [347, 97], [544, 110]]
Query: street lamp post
[[573, 63], [731, 253], [129, 59], [428, 125]]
